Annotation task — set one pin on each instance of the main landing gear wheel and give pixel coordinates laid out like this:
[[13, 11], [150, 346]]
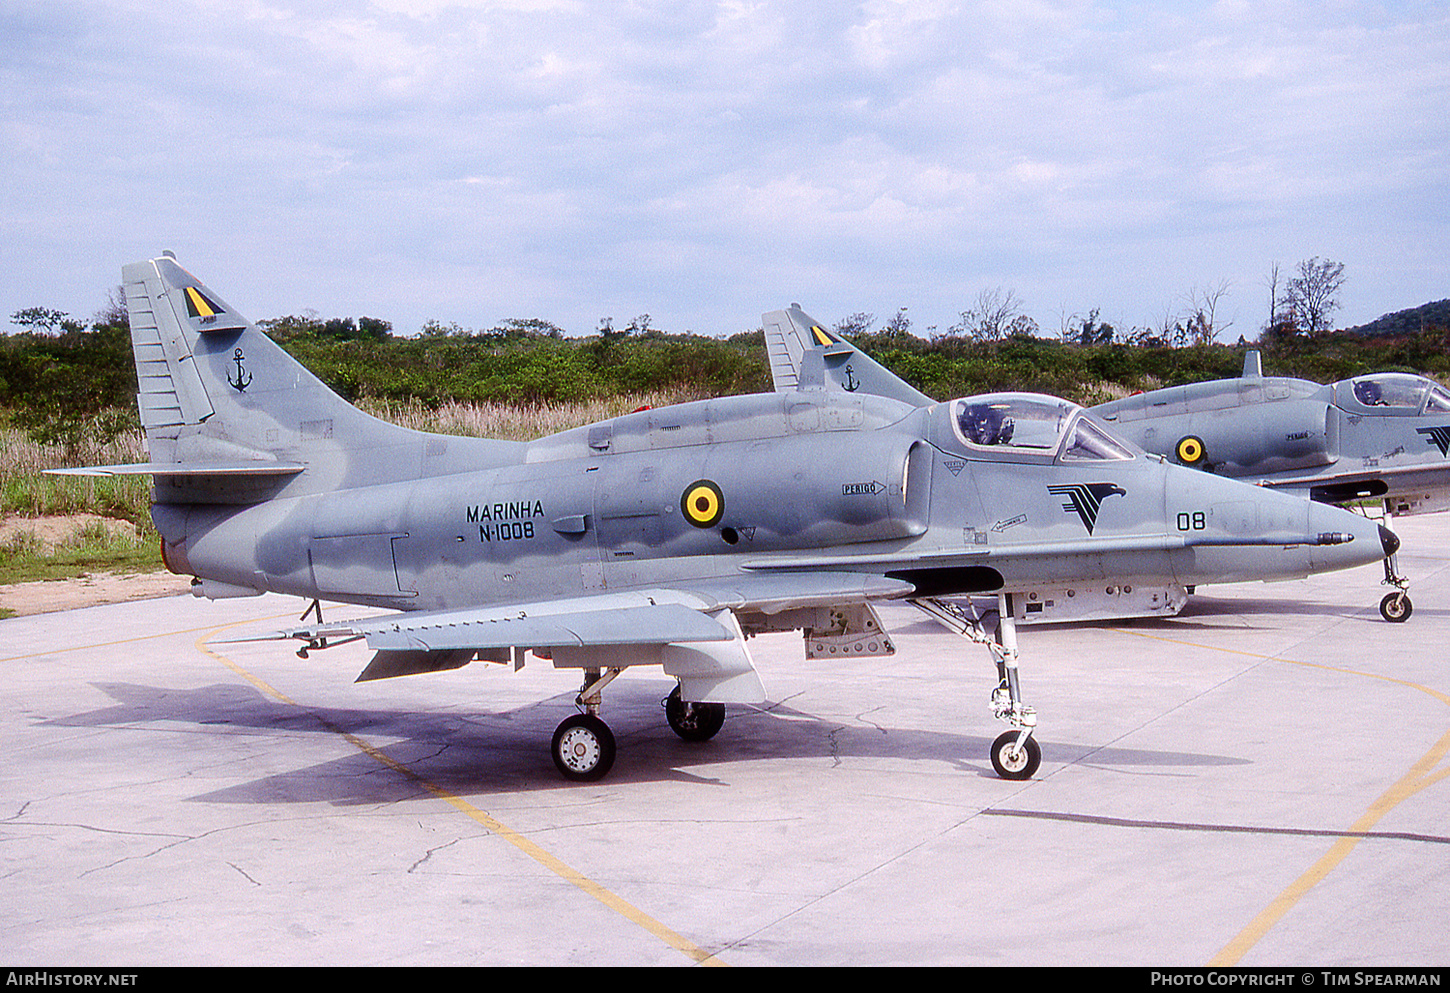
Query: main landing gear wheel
[[583, 748], [693, 721], [1012, 761], [1396, 608]]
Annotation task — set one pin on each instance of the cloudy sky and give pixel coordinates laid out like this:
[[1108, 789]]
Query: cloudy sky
[[471, 161]]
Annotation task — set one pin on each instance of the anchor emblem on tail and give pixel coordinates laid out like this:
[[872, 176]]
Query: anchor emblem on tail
[[244, 378]]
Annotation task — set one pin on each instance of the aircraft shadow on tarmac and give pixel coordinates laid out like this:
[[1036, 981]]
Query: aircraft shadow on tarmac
[[1204, 606], [471, 752], [1209, 614], [1205, 612]]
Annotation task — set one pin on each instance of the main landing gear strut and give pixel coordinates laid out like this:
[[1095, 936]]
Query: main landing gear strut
[[584, 747], [1015, 754]]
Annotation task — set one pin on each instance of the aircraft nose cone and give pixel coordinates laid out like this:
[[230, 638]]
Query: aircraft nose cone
[[1389, 541]]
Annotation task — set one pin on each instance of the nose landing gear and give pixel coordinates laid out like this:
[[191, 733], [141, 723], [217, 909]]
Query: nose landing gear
[[1396, 606], [1015, 754]]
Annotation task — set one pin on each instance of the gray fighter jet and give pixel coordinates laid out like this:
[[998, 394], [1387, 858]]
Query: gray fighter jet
[[1381, 437], [670, 536]]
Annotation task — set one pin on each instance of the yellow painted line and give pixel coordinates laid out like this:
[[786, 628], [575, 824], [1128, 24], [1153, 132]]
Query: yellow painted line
[[490, 823], [124, 641], [1411, 783], [1442, 697], [1420, 776]]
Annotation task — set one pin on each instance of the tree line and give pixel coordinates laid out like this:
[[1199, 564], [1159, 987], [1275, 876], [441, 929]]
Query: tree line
[[1301, 301], [61, 378]]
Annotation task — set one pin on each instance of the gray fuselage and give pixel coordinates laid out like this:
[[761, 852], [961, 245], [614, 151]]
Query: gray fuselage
[[806, 481]]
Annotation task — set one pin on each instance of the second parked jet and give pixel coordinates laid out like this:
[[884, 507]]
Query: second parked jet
[[1383, 437]]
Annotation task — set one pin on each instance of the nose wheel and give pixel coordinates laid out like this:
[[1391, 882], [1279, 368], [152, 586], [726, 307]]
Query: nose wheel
[[1015, 755], [1396, 607]]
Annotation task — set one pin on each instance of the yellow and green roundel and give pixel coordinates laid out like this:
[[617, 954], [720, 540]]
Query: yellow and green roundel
[[703, 503]]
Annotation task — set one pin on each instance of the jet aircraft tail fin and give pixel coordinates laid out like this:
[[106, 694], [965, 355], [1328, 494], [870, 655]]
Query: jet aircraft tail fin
[[804, 355], [240, 420]]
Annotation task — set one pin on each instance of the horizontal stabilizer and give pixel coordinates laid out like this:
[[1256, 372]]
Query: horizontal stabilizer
[[258, 468]]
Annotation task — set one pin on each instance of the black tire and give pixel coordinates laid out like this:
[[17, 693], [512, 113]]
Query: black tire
[[693, 721], [1012, 763], [1396, 608], [583, 748]]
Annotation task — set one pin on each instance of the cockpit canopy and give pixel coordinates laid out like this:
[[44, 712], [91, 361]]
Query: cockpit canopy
[[1011, 425], [1392, 393]]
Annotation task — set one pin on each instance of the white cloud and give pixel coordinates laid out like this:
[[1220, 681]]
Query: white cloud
[[510, 156]]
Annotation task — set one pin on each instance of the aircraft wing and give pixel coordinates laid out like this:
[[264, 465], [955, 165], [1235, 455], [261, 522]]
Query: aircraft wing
[[1342, 487], [691, 630], [658, 623]]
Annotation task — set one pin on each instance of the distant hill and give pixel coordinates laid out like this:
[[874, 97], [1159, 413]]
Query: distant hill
[[1410, 321]]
